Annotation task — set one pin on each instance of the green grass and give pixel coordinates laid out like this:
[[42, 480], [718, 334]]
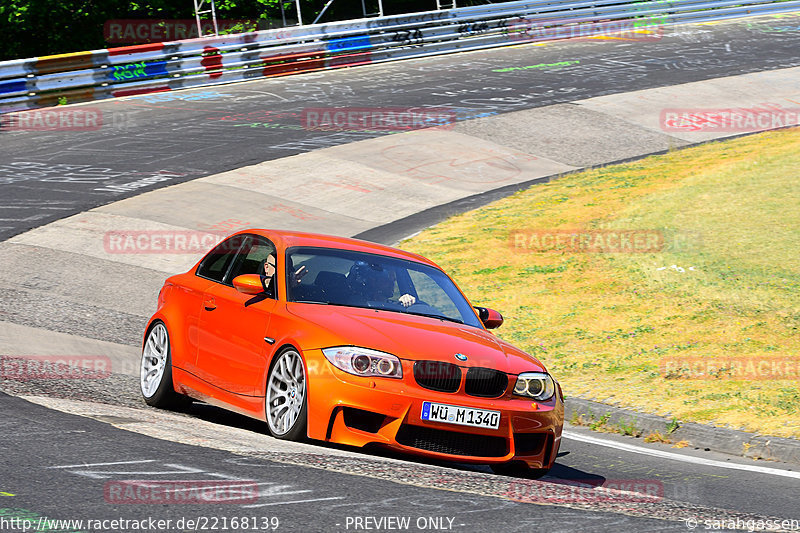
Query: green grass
[[725, 285]]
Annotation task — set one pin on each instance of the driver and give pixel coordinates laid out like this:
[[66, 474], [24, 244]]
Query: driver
[[268, 275]]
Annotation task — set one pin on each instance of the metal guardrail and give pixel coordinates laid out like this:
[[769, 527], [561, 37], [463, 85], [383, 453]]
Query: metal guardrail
[[166, 66]]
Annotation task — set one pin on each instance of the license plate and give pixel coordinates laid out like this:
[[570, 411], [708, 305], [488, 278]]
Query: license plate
[[463, 416]]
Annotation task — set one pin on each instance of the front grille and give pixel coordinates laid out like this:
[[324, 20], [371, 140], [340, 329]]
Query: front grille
[[451, 442], [486, 383], [438, 376]]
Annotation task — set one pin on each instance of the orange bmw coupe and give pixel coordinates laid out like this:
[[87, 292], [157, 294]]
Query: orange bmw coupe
[[351, 342]]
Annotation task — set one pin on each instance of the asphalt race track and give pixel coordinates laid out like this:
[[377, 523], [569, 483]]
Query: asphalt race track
[[184, 135], [58, 465]]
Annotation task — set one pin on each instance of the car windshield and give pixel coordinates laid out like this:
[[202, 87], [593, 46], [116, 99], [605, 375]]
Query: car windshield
[[357, 279]]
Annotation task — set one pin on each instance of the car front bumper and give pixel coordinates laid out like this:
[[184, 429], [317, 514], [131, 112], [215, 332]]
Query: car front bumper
[[357, 411]]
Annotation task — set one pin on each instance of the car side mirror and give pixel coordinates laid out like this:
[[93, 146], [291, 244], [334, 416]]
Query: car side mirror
[[490, 318], [248, 284]]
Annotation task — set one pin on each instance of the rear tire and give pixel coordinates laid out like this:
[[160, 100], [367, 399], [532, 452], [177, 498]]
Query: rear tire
[[155, 370], [286, 398]]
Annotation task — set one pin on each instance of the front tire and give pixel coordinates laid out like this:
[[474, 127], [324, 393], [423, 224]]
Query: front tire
[[155, 371], [286, 398]]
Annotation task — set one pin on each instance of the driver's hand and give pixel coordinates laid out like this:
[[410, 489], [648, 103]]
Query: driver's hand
[[297, 276], [407, 300]]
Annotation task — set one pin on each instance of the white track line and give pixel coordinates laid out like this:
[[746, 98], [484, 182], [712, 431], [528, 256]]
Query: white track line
[[295, 501], [677, 456], [105, 464]]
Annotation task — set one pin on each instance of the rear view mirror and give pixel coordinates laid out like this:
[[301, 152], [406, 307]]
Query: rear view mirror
[[490, 318], [248, 284]]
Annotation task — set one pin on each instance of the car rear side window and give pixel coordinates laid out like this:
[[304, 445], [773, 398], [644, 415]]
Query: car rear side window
[[216, 263]]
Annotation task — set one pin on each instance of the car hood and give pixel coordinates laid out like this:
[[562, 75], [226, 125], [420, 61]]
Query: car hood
[[414, 337]]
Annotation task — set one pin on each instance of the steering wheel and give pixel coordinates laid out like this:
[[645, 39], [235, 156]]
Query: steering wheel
[[422, 306]]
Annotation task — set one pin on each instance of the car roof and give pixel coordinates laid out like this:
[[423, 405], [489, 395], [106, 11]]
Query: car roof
[[287, 239]]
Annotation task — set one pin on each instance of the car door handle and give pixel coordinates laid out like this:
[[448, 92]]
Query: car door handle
[[210, 304]]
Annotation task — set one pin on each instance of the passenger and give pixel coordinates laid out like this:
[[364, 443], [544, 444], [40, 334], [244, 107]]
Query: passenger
[[375, 285]]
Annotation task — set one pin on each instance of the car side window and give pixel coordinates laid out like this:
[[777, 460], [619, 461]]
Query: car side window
[[217, 261], [251, 256]]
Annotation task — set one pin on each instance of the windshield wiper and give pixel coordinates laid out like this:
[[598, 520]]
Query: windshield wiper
[[441, 317], [309, 302]]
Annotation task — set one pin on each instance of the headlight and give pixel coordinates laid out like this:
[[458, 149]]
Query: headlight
[[364, 362], [536, 385]]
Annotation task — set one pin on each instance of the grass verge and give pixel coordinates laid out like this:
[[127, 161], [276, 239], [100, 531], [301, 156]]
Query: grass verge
[[702, 327]]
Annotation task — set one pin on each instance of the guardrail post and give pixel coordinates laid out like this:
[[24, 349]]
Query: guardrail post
[[198, 10]]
